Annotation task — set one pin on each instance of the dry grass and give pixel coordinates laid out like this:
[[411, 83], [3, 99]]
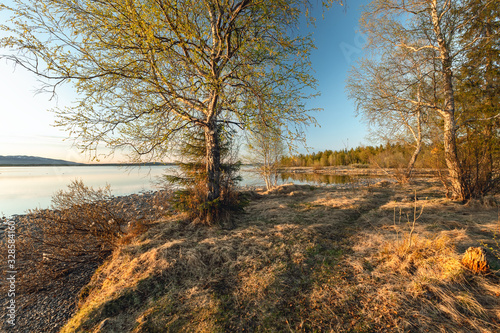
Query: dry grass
[[303, 260]]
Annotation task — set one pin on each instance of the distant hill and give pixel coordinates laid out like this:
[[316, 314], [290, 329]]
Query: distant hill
[[32, 160]]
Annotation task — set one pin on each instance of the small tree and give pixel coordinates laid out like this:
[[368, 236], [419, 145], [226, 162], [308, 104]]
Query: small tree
[[266, 149], [478, 99], [191, 197]]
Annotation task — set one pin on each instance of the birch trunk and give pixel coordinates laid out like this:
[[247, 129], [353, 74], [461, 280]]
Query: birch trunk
[[411, 164], [448, 113], [418, 138], [213, 161]]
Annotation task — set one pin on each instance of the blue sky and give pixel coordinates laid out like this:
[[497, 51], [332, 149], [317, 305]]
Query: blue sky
[[338, 46], [26, 126]]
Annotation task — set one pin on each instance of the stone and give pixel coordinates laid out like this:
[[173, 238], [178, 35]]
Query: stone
[[383, 183]]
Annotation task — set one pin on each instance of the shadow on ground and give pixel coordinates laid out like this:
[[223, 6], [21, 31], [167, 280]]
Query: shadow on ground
[[300, 259]]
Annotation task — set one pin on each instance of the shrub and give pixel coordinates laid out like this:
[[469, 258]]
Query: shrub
[[83, 227]]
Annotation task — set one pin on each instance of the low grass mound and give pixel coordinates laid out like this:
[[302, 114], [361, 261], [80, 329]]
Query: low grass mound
[[325, 260]]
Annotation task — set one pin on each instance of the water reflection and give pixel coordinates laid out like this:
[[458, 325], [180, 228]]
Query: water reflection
[[317, 178], [23, 188]]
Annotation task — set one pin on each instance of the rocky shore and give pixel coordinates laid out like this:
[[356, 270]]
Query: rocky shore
[[48, 308]]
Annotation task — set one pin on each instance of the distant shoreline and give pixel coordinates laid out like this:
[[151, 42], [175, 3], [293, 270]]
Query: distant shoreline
[[85, 164], [98, 164]]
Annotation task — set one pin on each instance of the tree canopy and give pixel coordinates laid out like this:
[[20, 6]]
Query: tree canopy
[[145, 70], [419, 64], [148, 71]]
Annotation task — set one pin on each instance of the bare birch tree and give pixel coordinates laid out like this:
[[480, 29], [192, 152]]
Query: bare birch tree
[[389, 89], [266, 149], [431, 30]]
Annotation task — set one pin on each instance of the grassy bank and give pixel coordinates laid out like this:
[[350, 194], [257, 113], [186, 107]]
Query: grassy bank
[[304, 259]]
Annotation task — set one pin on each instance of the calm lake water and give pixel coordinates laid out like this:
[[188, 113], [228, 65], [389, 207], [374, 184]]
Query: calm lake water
[[23, 188]]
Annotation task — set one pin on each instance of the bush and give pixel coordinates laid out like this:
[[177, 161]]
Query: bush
[[83, 227]]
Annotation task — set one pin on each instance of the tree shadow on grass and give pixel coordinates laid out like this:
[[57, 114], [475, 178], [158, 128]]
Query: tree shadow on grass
[[261, 276]]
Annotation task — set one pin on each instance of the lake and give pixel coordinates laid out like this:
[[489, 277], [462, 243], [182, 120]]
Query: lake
[[23, 188]]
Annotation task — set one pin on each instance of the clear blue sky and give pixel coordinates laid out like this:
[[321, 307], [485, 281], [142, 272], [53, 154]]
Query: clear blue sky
[[26, 124]]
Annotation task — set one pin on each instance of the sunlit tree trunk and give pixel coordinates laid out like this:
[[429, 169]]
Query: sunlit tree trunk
[[451, 156], [448, 113], [418, 146], [213, 161]]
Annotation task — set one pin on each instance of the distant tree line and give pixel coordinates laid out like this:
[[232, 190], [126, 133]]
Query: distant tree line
[[387, 156]]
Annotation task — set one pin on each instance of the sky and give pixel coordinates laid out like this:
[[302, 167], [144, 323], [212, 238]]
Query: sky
[[26, 124]]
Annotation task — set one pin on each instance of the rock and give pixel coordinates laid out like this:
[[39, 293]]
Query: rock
[[383, 183], [407, 198]]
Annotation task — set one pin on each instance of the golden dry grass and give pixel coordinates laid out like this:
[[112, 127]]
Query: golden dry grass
[[304, 259]]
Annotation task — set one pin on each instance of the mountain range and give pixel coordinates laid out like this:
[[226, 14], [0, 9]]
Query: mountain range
[[32, 160]]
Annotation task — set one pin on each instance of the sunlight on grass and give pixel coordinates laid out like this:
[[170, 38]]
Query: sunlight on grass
[[343, 270]]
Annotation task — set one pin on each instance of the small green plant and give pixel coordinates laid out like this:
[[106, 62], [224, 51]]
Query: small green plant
[[495, 247], [411, 222]]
